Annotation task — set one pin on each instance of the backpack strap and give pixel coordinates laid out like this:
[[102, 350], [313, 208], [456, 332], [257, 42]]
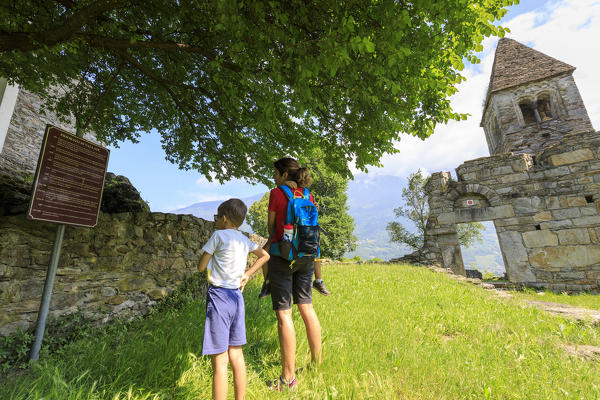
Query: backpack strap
[[290, 210], [306, 194], [287, 191]]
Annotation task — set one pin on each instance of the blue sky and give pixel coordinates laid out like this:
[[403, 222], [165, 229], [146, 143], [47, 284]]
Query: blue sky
[[563, 29]]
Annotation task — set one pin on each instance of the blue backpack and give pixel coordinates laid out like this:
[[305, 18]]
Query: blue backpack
[[304, 216]]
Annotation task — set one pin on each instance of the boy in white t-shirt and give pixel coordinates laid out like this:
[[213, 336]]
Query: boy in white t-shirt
[[225, 328]]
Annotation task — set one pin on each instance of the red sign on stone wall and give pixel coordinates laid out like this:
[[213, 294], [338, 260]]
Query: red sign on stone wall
[[69, 180]]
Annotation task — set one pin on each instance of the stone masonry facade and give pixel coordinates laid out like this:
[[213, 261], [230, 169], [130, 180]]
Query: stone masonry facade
[[25, 134], [120, 268], [506, 129], [540, 187]]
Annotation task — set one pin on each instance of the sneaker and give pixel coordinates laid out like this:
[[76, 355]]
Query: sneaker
[[279, 385], [320, 287], [265, 290]]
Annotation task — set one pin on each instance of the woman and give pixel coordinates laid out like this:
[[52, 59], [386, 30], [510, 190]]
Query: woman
[[290, 284]]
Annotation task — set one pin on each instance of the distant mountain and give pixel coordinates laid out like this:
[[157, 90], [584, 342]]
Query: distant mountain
[[207, 209], [371, 202], [485, 256]]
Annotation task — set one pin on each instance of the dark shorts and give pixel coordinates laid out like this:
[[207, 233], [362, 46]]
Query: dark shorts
[[225, 320], [288, 283]]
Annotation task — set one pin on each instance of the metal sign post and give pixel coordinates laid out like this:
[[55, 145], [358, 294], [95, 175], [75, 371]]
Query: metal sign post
[[45, 305], [67, 189]]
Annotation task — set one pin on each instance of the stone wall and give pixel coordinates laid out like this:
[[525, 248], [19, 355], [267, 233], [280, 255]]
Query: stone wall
[[546, 210], [120, 268], [25, 134]]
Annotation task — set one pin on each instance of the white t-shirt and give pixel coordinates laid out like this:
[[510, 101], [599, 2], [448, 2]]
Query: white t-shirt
[[229, 249]]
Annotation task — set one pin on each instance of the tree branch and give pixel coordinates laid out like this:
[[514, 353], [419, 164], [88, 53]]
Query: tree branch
[[102, 96], [166, 84], [28, 41], [162, 82], [110, 43], [70, 4]]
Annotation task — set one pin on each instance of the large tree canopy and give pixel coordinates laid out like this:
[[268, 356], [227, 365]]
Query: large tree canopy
[[233, 84]]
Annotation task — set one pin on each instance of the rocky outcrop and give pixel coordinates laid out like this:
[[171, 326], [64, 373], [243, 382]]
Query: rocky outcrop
[[15, 192], [121, 196]]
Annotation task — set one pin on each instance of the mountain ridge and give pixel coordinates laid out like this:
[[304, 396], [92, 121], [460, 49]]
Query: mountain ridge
[[371, 202]]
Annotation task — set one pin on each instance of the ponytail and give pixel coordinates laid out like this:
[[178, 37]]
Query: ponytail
[[299, 175], [303, 178]]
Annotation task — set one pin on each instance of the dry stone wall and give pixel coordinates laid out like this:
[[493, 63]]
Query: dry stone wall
[[546, 210], [120, 268]]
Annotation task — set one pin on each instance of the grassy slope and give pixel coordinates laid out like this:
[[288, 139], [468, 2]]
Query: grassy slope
[[389, 332]]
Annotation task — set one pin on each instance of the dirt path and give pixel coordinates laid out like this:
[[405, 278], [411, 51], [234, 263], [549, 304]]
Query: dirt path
[[568, 311], [564, 310]]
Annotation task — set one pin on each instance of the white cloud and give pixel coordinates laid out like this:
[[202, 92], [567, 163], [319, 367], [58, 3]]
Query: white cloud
[[567, 30]]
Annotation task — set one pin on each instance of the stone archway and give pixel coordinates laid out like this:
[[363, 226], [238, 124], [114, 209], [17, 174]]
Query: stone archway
[[452, 203]]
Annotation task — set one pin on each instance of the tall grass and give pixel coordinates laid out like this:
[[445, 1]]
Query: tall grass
[[389, 332]]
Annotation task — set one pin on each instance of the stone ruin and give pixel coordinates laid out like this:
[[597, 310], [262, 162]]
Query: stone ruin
[[540, 186]]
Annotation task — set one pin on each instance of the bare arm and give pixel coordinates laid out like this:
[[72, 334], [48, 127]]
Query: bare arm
[[263, 257], [271, 223], [204, 259], [291, 184]]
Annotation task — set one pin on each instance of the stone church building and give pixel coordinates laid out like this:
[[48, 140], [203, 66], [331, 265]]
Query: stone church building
[[540, 185]]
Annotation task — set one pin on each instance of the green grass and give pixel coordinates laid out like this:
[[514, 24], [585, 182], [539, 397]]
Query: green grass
[[390, 332], [585, 300]]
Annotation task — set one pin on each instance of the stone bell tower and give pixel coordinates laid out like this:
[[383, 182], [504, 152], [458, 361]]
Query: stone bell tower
[[532, 101]]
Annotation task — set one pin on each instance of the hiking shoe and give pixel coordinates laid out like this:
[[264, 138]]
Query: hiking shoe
[[265, 290], [279, 385], [320, 287]]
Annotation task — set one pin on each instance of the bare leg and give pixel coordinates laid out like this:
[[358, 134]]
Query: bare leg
[[287, 343], [236, 358], [219, 365], [313, 330], [318, 274]]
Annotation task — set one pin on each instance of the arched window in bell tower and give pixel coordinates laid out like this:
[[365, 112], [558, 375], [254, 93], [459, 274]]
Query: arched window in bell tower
[[544, 108], [527, 111]]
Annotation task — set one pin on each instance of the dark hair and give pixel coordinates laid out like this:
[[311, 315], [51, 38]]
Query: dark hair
[[300, 175], [235, 211]]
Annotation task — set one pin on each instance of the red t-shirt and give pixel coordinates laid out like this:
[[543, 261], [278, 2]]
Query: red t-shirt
[[278, 202]]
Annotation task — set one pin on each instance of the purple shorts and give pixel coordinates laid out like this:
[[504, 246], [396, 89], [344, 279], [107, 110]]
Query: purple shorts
[[225, 320]]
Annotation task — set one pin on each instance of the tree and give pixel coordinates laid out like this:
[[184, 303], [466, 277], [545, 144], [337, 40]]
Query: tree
[[329, 192], [231, 85], [257, 216], [416, 210]]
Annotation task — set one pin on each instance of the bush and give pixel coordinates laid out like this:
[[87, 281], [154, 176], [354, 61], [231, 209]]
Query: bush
[[15, 348]]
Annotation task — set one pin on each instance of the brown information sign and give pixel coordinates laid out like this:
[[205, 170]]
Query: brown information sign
[[69, 179]]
